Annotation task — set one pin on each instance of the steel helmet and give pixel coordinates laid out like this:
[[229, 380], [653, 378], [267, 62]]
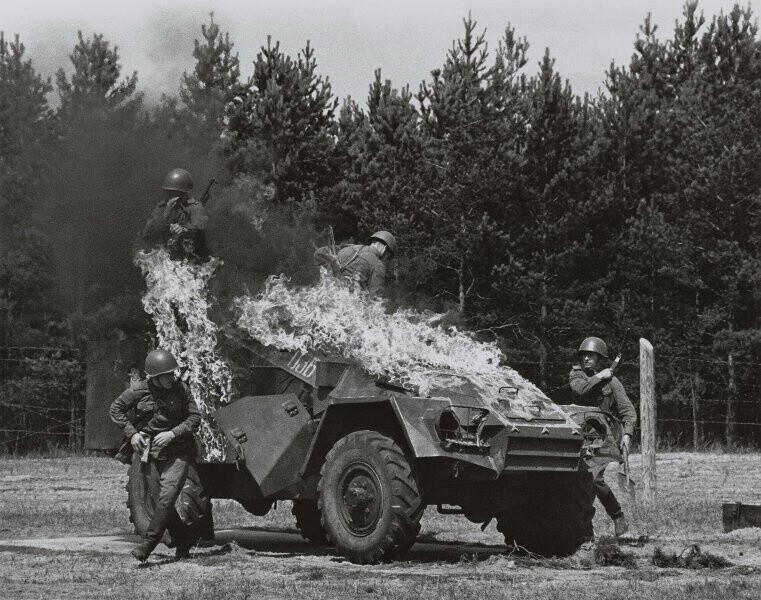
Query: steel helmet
[[178, 180], [386, 238], [594, 344], [159, 362]]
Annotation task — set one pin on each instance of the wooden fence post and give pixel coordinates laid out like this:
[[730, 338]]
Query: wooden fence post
[[647, 417]]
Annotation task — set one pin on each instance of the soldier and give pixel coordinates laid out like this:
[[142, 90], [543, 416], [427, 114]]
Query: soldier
[[365, 263], [178, 221], [165, 417], [593, 386]]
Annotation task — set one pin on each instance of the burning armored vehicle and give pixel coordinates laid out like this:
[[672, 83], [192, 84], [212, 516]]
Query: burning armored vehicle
[[361, 450]]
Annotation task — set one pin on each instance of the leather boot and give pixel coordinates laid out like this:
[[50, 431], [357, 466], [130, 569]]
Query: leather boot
[[143, 551], [621, 525]]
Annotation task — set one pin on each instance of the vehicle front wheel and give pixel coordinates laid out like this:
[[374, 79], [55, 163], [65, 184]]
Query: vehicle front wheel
[[369, 499]]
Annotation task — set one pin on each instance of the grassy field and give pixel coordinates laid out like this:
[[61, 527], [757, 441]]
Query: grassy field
[[50, 509]]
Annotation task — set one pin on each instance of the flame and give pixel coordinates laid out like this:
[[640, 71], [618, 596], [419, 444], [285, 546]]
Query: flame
[[177, 299], [336, 317]]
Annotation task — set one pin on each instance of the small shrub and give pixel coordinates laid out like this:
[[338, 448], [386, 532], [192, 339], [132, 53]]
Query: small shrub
[[608, 554], [691, 557]]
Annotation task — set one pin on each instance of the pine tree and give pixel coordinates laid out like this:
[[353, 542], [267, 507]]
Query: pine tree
[[381, 148], [94, 84], [195, 121], [26, 131], [106, 147], [473, 132], [548, 276], [279, 125]]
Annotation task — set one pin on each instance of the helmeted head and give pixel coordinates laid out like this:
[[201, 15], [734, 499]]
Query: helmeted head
[[178, 180], [594, 344], [591, 351], [387, 239], [158, 362]]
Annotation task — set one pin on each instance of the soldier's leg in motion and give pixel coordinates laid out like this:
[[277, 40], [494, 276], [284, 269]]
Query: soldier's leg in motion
[[609, 501], [192, 508], [171, 479], [605, 495]]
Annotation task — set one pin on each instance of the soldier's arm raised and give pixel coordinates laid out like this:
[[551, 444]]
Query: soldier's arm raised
[[581, 385]]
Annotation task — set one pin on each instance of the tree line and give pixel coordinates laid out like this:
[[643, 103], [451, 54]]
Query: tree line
[[535, 216]]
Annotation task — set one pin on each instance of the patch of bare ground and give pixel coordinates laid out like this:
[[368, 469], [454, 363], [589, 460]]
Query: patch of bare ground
[[64, 533]]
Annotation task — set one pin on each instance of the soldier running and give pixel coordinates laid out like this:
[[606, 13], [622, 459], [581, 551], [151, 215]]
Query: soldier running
[[161, 430], [593, 386]]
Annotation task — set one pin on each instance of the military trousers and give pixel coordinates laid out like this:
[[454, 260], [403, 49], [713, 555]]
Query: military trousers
[[605, 495], [172, 473]]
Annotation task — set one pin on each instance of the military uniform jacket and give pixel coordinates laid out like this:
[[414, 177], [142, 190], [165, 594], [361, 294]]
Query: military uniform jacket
[[146, 408], [590, 390], [190, 215], [362, 263]]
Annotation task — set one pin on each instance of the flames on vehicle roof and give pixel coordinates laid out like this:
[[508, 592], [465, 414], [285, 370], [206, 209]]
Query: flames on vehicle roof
[[335, 317]]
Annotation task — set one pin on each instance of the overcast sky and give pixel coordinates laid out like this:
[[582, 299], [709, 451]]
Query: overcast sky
[[405, 38]]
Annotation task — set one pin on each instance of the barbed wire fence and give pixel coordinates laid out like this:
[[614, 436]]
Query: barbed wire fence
[[701, 402], [42, 398]]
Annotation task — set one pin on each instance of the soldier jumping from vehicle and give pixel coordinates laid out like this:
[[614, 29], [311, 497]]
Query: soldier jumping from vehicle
[[178, 221], [594, 386], [364, 263], [158, 417]]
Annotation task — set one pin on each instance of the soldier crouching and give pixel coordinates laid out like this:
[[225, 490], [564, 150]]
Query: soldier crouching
[[161, 431]]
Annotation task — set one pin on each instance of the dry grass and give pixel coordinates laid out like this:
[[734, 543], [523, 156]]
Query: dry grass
[[83, 496]]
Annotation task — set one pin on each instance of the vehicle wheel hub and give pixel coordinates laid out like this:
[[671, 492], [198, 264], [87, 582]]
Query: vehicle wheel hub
[[361, 499]]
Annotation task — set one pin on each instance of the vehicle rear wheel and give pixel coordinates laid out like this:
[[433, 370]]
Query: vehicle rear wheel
[[309, 521], [548, 514], [142, 492], [369, 499]]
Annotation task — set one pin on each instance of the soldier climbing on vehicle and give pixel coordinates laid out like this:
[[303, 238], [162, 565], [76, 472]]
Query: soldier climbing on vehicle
[[158, 417], [594, 386], [363, 263], [178, 221]]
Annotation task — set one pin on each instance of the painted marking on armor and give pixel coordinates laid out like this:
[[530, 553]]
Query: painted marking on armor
[[303, 364]]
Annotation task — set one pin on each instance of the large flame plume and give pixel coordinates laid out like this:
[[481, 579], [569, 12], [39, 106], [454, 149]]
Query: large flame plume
[[177, 299], [336, 317]]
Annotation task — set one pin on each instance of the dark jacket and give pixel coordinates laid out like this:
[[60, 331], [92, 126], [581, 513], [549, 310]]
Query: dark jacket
[[190, 215], [590, 390], [356, 261], [146, 408]]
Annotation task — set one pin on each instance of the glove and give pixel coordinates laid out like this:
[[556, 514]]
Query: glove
[[626, 442]]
